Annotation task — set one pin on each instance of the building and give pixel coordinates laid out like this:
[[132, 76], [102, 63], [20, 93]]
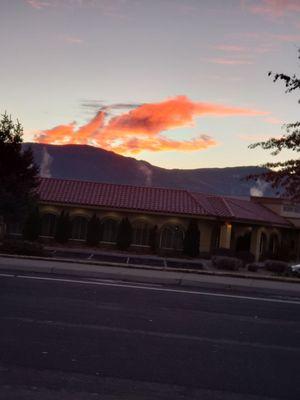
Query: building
[[258, 225]]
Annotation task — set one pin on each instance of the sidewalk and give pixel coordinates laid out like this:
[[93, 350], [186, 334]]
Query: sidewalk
[[75, 269]]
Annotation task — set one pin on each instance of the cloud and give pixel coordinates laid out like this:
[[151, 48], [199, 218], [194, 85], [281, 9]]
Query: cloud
[[73, 40], [230, 48], [230, 61], [38, 4], [272, 8], [274, 120], [144, 127]]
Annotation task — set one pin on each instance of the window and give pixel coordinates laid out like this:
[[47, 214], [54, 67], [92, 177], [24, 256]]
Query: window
[[48, 224], [172, 238], [109, 230], [79, 228], [141, 234]]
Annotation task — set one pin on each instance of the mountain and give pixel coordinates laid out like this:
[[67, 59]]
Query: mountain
[[94, 164]]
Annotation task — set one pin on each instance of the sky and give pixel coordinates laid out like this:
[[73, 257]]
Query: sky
[[178, 83]]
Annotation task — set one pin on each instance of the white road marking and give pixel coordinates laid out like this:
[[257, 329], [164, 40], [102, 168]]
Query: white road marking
[[160, 289], [7, 275], [167, 335]]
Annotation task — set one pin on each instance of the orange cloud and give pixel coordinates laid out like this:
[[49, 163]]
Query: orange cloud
[[142, 128]]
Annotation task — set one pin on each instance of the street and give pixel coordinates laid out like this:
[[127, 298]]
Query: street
[[158, 339]]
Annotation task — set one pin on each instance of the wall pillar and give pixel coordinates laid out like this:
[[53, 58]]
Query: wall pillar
[[225, 236], [255, 243]]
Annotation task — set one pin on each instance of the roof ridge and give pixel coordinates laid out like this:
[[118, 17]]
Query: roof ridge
[[227, 205], [116, 184], [198, 202]]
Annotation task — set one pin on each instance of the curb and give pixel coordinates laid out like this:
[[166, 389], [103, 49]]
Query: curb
[[139, 267]]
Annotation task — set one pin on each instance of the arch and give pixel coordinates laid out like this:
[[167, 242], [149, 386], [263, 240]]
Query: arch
[[79, 228], [49, 221], [141, 233], [171, 237], [109, 230]]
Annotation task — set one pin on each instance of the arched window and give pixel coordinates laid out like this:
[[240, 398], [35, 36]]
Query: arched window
[[274, 244], [79, 228], [48, 224], [172, 238], [262, 244], [141, 233], [109, 229]]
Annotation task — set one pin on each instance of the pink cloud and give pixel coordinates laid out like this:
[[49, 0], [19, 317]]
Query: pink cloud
[[273, 120], [230, 61], [72, 40], [272, 8], [38, 4], [231, 48]]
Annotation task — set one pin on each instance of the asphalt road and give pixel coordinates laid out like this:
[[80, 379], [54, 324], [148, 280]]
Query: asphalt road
[[105, 340]]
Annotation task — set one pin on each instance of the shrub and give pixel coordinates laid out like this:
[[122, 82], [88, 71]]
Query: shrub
[[253, 267], [22, 247], [227, 263], [276, 266], [245, 256]]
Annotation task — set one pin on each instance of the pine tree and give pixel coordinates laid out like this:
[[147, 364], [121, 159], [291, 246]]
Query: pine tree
[[124, 235], [18, 173], [192, 240], [93, 231], [62, 233], [32, 226]]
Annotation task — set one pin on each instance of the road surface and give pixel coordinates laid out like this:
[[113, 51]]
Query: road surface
[[79, 339]]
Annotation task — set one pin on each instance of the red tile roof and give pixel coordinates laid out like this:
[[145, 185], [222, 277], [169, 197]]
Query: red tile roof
[[158, 200]]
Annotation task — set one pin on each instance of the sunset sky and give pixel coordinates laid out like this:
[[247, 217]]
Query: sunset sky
[[179, 83]]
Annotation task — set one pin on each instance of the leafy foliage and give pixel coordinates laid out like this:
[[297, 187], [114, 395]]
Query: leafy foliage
[[124, 236], [18, 172], [284, 175], [32, 226]]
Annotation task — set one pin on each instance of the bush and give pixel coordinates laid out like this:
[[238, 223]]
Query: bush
[[246, 256], [227, 263], [253, 267], [276, 266], [22, 247]]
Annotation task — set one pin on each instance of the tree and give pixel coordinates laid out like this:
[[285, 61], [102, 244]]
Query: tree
[[191, 240], [18, 172], [63, 228], [124, 235], [283, 176], [93, 231], [32, 226]]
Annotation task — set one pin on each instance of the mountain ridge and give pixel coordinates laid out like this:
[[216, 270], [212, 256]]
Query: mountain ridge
[[83, 162]]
